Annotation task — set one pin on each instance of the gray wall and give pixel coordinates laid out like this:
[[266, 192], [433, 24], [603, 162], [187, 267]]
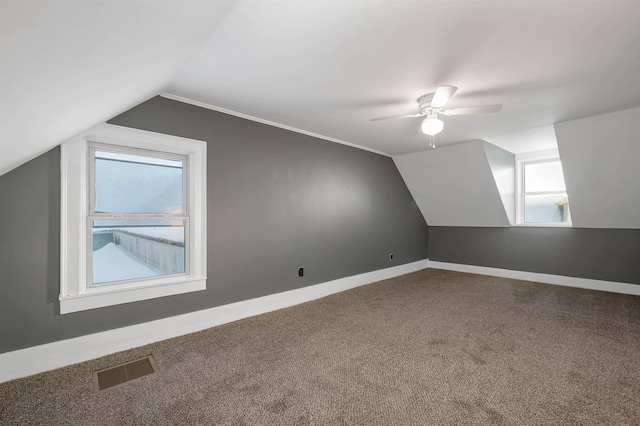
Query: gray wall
[[277, 200], [604, 254]]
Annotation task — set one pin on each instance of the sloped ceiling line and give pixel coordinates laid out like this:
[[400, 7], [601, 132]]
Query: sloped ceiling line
[[68, 66]]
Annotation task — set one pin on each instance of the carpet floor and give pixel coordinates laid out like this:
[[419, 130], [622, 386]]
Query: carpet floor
[[427, 348]]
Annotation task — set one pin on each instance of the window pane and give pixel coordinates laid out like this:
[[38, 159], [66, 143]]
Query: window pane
[[137, 184], [540, 177], [553, 208], [124, 250]]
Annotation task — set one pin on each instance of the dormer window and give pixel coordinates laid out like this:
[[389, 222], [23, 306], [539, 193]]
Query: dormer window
[[541, 192]]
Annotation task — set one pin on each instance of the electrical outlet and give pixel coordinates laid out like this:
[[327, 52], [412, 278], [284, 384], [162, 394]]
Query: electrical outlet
[[300, 272]]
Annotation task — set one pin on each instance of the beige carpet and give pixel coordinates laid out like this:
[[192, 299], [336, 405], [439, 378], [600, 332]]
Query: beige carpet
[[432, 347]]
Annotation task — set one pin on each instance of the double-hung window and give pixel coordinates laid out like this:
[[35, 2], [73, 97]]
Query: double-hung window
[[133, 217], [542, 194]]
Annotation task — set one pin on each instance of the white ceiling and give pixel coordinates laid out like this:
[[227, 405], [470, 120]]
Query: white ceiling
[[324, 67], [66, 66]]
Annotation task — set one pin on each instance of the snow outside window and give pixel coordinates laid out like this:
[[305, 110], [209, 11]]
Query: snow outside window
[[133, 217]]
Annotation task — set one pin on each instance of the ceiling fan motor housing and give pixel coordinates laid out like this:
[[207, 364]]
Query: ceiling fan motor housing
[[424, 102]]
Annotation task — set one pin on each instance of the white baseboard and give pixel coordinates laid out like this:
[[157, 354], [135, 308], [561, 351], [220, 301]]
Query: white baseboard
[[25, 362], [33, 360], [586, 283]]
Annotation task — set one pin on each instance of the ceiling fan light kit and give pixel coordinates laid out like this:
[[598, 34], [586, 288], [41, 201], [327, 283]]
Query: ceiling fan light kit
[[433, 104], [432, 125]]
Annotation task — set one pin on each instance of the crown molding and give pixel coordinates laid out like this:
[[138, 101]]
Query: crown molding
[[269, 123]]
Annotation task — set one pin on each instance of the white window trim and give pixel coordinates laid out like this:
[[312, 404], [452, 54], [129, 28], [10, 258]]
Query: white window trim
[[75, 292], [526, 157]]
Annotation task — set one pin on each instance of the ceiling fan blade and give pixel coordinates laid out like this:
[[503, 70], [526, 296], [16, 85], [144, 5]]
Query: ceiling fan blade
[[442, 96], [397, 116], [484, 109]]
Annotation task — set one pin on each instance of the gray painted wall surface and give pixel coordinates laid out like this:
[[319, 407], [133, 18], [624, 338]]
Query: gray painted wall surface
[[277, 200], [604, 254], [30, 252]]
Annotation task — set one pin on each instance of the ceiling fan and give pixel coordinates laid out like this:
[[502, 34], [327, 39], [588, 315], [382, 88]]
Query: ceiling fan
[[432, 104]]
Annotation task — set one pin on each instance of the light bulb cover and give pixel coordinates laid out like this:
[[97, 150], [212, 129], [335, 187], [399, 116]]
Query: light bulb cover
[[432, 126]]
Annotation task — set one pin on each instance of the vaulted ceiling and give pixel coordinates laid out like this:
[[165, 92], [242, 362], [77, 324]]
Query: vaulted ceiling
[[323, 67]]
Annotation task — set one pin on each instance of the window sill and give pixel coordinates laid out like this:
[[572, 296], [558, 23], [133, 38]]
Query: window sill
[[93, 299], [542, 225]]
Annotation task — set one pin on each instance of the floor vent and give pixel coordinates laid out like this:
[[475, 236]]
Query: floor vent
[[120, 374]]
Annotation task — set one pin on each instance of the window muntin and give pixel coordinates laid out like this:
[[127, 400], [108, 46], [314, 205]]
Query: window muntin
[[543, 195]]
